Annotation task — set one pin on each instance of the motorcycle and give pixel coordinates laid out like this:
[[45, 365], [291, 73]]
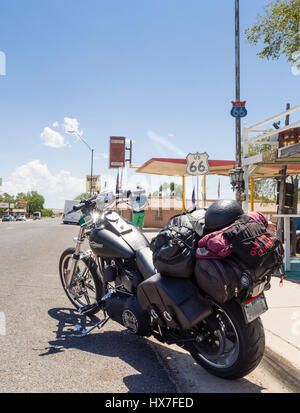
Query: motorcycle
[[117, 276]]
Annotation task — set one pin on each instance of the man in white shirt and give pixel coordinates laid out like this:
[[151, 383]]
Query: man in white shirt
[[139, 201]]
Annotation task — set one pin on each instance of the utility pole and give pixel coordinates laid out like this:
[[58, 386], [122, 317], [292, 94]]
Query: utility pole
[[238, 155], [92, 152]]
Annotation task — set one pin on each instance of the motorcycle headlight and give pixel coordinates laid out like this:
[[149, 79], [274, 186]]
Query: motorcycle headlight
[[95, 216]]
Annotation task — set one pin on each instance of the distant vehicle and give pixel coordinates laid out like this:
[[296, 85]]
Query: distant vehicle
[[36, 215], [7, 217], [52, 216], [74, 217], [21, 218]]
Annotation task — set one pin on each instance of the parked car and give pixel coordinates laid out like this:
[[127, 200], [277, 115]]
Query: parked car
[[298, 242], [7, 217], [21, 218]]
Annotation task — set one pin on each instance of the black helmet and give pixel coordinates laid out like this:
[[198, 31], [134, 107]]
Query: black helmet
[[221, 214]]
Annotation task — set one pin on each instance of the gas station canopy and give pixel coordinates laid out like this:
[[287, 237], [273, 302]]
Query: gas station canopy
[[177, 167]]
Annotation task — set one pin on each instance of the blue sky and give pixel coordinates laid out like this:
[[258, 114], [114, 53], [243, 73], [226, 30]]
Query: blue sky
[[129, 68]]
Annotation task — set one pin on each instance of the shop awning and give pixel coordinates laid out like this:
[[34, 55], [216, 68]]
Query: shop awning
[[177, 167]]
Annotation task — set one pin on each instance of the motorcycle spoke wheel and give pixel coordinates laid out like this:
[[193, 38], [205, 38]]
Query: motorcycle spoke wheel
[[86, 288]]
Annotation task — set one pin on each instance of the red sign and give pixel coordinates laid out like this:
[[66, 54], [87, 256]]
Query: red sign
[[237, 104], [22, 203], [117, 152]]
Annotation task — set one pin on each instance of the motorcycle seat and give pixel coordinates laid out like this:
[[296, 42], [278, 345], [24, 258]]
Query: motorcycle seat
[[144, 262]]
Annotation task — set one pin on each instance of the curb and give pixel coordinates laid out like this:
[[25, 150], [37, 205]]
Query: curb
[[282, 360]]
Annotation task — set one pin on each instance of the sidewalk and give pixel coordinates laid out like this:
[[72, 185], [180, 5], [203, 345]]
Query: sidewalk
[[282, 327], [281, 323]]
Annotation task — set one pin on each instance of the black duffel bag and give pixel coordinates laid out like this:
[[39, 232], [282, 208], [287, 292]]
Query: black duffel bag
[[220, 278], [174, 247]]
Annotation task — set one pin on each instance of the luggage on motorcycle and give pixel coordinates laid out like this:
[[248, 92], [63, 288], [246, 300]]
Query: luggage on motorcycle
[[259, 251], [219, 278], [173, 302], [175, 246]]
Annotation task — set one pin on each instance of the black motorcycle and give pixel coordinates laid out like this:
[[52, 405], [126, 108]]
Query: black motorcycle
[[117, 276]]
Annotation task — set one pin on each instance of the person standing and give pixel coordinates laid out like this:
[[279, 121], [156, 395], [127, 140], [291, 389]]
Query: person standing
[[139, 201]]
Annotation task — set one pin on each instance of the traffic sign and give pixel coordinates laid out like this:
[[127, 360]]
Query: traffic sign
[[197, 163], [238, 109], [4, 205]]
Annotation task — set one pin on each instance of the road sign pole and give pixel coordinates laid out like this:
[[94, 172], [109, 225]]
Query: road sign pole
[[237, 96], [92, 171]]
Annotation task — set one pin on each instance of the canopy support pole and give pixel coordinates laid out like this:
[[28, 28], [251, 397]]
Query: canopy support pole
[[183, 193]]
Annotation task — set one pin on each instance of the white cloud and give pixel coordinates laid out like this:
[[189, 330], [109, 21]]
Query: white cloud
[[52, 138], [35, 176], [55, 124], [71, 124], [170, 135]]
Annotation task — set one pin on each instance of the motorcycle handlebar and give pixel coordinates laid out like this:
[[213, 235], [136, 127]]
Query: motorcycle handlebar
[[85, 203]]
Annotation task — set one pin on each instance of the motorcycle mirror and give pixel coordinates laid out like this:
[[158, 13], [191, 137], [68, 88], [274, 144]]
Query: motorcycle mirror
[[104, 199]]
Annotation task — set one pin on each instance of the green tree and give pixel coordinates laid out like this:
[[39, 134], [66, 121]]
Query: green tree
[[82, 196], [8, 199], [35, 202], [265, 190], [46, 212], [172, 188], [278, 29]]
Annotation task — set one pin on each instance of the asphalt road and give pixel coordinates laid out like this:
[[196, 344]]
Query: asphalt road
[[40, 350]]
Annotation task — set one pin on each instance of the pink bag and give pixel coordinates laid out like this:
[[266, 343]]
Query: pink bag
[[214, 245]]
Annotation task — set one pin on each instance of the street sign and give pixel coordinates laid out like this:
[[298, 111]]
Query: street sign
[[4, 205], [11, 206], [117, 152], [95, 183], [197, 163], [238, 109], [22, 203]]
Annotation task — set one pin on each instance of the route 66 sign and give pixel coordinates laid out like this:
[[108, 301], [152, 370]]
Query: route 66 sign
[[238, 109], [197, 163]]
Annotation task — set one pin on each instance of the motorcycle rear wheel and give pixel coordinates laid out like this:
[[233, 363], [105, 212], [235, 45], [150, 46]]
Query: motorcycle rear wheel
[[87, 287], [234, 349]]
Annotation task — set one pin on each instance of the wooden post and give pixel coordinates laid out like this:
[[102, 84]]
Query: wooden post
[[282, 190], [294, 220]]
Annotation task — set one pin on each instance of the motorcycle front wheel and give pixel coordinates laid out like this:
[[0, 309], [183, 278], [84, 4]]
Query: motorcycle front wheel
[[86, 286], [225, 345]]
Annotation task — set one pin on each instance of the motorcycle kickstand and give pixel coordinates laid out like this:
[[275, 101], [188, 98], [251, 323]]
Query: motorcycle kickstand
[[84, 332]]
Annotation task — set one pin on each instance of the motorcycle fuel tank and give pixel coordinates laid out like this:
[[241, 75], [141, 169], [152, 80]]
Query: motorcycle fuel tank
[[116, 238]]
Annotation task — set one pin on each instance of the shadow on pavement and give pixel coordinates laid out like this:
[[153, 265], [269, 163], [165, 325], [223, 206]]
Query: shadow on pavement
[[136, 352]]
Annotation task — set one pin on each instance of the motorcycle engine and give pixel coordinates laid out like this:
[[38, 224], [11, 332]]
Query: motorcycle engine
[[128, 312]]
